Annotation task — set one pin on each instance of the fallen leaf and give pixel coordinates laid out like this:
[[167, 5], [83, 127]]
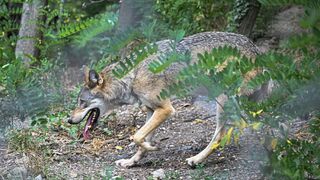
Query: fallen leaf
[[274, 143], [119, 147], [255, 114], [256, 125], [243, 124], [197, 121], [236, 137], [97, 144], [215, 145], [229, 133]]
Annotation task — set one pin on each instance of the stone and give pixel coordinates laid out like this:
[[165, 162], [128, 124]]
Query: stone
[[158, 174], [39, 177], [18, 173]]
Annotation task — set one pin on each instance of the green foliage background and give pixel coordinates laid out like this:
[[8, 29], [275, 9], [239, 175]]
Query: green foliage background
[[90, 30], [193, 16]]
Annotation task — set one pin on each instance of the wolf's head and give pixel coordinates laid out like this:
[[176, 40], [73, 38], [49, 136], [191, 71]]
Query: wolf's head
[[91, 101]]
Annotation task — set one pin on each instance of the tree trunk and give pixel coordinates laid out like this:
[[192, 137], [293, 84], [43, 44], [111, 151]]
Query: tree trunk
[[247, 22], [132, 13], [29, 32]]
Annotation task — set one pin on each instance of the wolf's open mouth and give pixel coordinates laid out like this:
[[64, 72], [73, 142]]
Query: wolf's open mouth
[[92, 119]]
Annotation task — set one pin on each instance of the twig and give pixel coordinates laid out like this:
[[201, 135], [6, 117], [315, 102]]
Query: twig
[[190, 120]]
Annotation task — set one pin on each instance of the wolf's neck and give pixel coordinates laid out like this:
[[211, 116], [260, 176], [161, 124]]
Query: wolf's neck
[[120, 93]]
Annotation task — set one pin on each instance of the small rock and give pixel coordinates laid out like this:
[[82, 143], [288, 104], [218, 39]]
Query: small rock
[[18, 173], [39, 177], [158, 174], [73, 174]]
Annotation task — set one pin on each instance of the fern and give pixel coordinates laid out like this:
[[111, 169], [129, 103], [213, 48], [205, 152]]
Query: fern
[[9, 28], [165, 60], [107, 20], [239, 10], [208, 70], [120, 40], [135, 58], [106, 23]]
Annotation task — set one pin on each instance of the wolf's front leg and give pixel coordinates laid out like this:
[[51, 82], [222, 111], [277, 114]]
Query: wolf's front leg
[[133, 160], [158, 117], [144, 135], [141, 152]]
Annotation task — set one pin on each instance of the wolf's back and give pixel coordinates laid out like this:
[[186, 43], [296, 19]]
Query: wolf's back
[[201, 42], [209, 40], [197, 43]]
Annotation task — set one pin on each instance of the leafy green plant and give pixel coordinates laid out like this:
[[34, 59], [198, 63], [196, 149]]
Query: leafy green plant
[[98, 25], [32, 144], [21, 141], [239, 10], [109, 174], [133, 60], [297, 158], [9, 27], [192, 16], [172, 175]]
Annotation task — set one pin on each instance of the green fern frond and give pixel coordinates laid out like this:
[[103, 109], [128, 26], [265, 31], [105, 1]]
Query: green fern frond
[[226, 67], [166, 60], [106, 23], [9, 26], [135, 58], [50, 15], [75, 27], [15, 11], [120, 40], [3, 10], [212, 72]]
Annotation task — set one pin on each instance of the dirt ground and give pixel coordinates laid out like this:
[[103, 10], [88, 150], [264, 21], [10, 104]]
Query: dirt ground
[[183, 135]]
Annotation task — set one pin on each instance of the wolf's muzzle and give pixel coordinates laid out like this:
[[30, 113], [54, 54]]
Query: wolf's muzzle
[[70, 121]]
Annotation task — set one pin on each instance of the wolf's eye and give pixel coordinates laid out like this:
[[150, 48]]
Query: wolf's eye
[[82, 103]]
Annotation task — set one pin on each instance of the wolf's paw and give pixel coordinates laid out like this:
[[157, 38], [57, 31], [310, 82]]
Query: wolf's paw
[[125, 163], [149, 147], [193, 161]]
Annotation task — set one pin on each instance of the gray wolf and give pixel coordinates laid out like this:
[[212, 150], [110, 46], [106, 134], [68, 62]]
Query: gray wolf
[[102, 92]]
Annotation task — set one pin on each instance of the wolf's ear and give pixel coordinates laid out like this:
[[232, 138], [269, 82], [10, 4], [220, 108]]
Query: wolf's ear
[[94, 79], [85, 73]]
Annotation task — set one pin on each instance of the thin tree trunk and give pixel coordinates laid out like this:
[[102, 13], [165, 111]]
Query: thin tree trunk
[[129, 15], [247, 22], [132, 13], [29, 32]]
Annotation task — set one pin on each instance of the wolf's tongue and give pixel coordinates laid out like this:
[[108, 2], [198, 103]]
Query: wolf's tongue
[[86, 133]]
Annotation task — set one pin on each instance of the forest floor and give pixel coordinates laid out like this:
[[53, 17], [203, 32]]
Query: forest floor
[[183, 135]]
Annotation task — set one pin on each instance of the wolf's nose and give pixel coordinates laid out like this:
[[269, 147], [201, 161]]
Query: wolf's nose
[[70, 121]]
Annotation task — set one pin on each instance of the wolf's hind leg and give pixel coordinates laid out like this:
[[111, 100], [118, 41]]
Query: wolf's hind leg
[[141, 151], [199, 158]]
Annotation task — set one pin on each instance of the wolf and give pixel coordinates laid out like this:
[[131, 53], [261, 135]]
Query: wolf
[[102, 92]]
